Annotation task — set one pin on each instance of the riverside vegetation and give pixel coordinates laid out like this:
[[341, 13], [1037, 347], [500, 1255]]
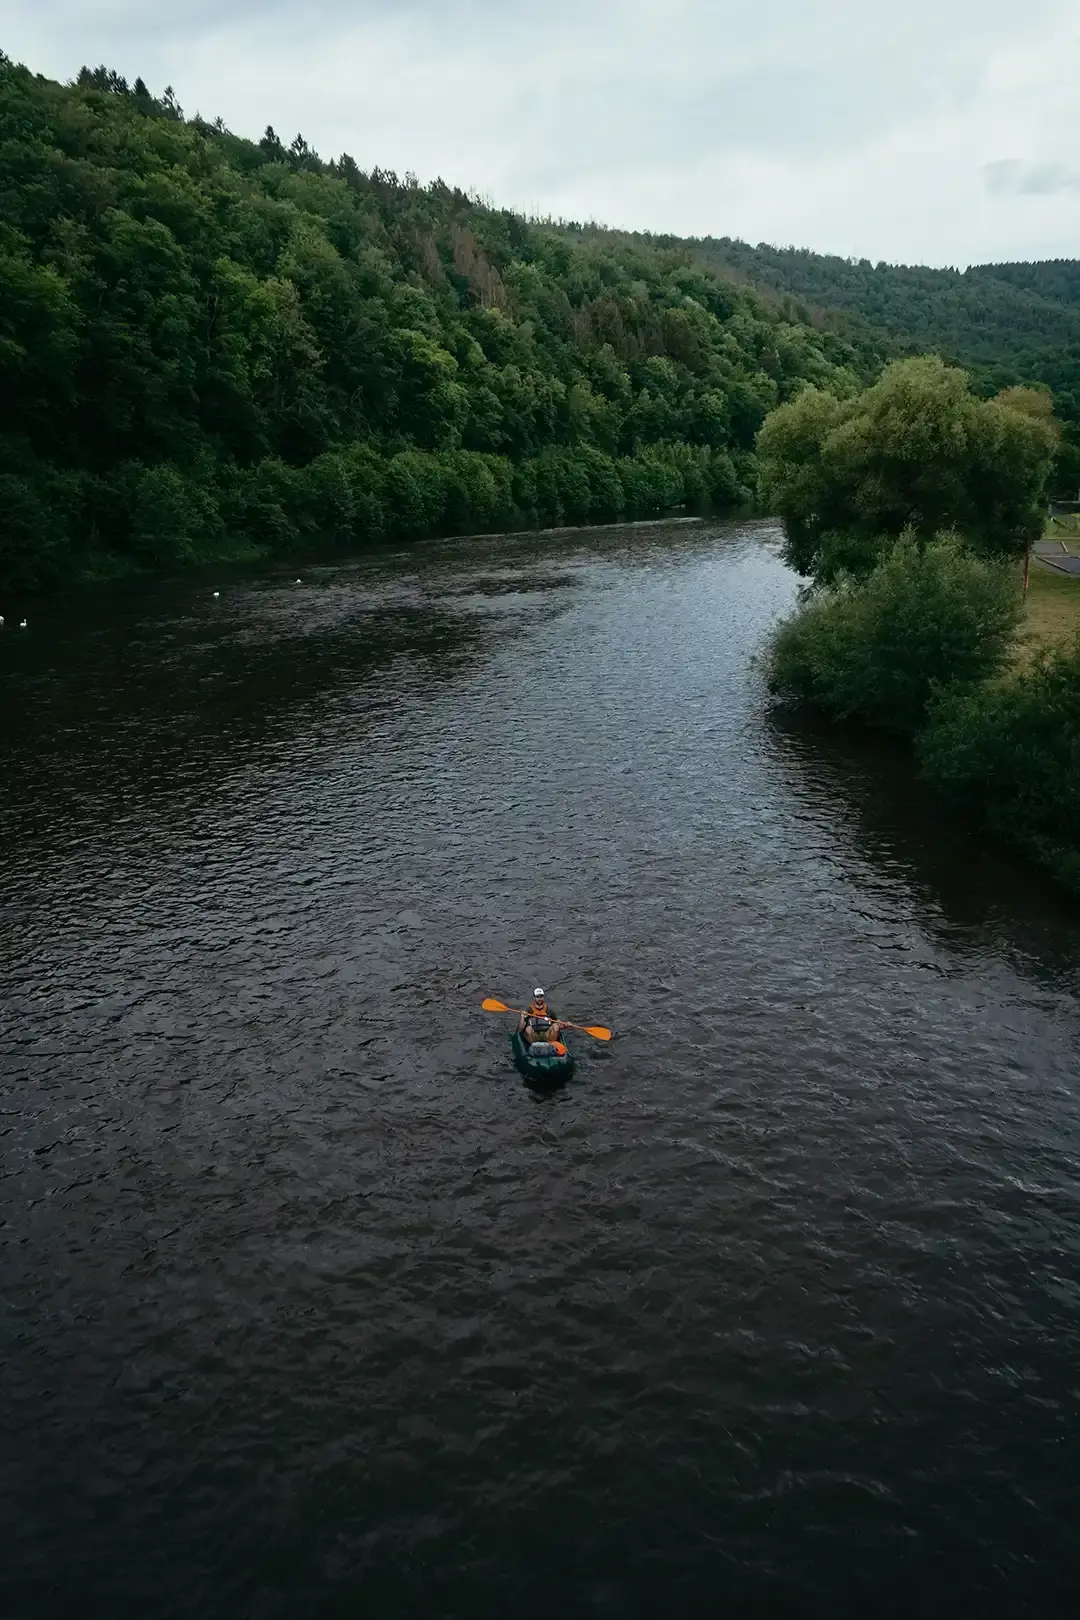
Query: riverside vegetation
[[905, 508], [212, 347]]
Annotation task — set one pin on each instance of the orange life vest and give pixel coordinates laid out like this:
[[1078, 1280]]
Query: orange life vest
[[535, 1013]]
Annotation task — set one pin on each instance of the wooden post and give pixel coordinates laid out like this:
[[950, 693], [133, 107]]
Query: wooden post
[[1027, 566]]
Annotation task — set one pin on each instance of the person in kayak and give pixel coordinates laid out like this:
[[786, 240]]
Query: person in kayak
[[537, 1024]]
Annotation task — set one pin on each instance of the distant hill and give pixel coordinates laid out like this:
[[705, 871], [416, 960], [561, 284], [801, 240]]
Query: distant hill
[[1050, 278], [1008, 323]]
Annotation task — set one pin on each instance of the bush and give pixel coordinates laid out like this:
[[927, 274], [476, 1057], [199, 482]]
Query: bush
[[575, 490], [166, 515], [475, 491], [691, 464], [502, 476], [605, 485], [324, 495], [725, 488], [650, 485], [258, 503], [526, 489], [35, 548], [415, 492], [366, 472], [1009, 751], [666, 485], [926, 617], [173, 518], [562, 486]]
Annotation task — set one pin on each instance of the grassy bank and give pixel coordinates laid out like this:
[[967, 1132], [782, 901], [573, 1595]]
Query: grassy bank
[[1052, 609]]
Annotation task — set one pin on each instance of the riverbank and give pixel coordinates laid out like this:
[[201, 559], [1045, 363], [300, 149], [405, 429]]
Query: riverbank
[[355, 499], [935, 648], [104, 568]]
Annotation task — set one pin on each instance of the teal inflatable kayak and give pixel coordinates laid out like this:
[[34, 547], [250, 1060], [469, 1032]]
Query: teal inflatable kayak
[[550, 1066]]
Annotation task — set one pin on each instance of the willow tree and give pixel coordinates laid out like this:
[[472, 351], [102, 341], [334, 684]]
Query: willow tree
[[915, 452]]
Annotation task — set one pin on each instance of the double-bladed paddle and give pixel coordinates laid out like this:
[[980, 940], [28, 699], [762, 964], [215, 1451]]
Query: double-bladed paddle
[[597, 1031]]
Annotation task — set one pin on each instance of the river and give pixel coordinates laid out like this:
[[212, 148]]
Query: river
[[312, 1307]]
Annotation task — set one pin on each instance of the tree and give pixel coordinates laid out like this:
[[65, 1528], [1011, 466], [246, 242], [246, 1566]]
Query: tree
[[271, 144], [928, 616], [38, 340], [917, 451], [1038, 403]]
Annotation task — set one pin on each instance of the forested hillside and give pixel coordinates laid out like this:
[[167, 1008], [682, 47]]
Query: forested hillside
[[1050, 278], [1008, 323], [213, 347]]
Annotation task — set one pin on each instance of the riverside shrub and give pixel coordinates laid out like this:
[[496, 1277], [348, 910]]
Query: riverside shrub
[[926, 617], [1009, 752]]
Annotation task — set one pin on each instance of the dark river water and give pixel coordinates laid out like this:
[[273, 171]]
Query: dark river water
[[313, 1308]]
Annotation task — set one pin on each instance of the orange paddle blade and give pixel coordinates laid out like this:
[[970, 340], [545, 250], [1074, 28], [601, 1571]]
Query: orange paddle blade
[[491, 1005], [597, 1031]]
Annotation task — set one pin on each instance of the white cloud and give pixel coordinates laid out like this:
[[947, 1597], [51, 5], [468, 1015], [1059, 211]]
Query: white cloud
[[940, 132]]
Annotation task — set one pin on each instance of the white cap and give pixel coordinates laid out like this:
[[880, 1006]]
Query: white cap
[[538, 994]]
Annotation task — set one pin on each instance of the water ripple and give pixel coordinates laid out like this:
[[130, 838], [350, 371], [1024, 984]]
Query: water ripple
[[311, 1307]]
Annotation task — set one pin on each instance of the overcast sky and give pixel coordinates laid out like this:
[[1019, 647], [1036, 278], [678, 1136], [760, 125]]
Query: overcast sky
[[929, 131]]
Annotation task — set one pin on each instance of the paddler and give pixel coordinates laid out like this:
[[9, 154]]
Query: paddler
[[537, 1024]]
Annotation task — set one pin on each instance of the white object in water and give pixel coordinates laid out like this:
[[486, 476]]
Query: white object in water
[[22, 624], [1, 618], [217, 593], [299, 582]]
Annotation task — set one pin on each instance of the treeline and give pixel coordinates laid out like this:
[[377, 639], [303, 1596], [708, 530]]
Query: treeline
[[1008, 324], [212, 346], [905, 508]]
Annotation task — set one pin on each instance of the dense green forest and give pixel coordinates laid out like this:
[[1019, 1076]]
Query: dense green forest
[[1007, 323], [211, 347]]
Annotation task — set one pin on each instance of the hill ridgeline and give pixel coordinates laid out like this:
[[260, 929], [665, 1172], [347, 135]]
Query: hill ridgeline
[[212, 347]]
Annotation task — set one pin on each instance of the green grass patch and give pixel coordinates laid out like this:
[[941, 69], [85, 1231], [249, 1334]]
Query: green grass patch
[[1052, 609], [1063, 528]]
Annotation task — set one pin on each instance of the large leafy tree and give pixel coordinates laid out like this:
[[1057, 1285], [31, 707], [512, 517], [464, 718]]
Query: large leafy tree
[[916, 451]]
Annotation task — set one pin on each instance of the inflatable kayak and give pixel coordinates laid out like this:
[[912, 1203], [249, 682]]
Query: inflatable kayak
[[547, 1065]]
